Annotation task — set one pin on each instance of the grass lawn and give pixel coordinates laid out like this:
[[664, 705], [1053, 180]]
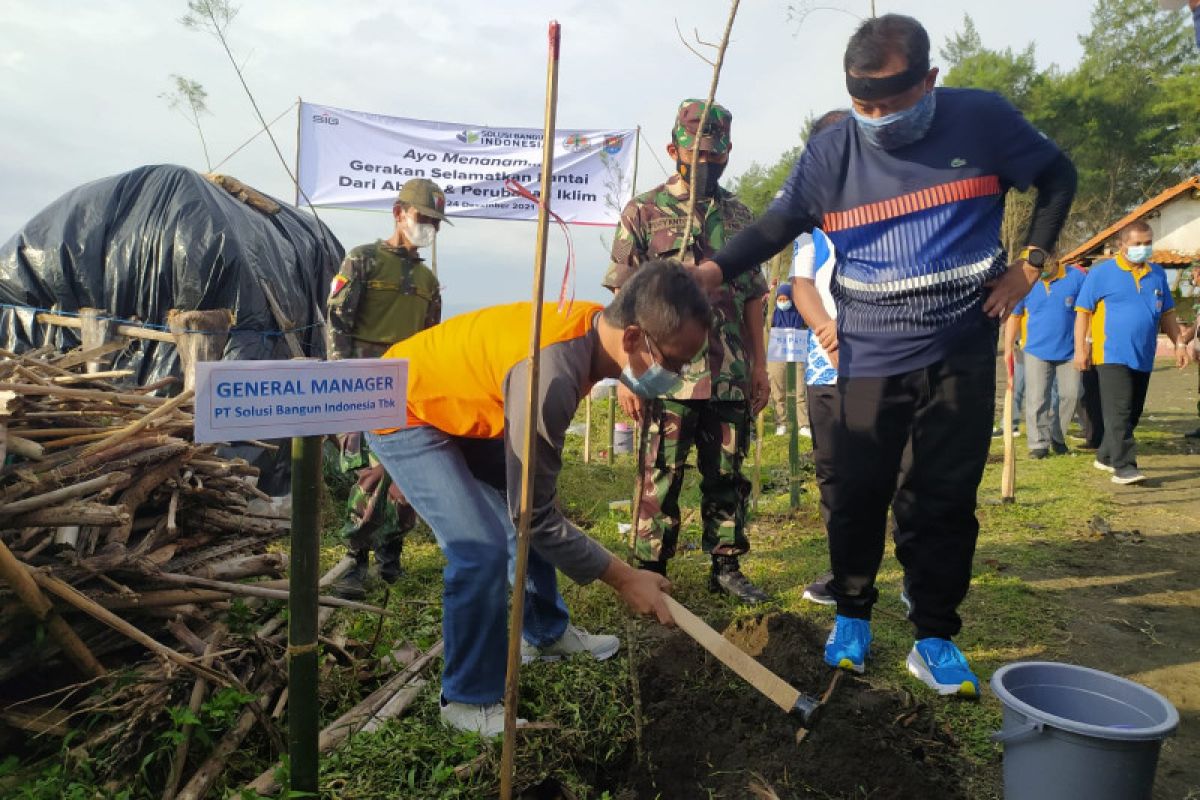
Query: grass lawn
[[593, 705]]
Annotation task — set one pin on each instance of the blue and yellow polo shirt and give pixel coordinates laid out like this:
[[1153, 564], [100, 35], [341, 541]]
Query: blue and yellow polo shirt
[[1047, 315], [1126, 302]]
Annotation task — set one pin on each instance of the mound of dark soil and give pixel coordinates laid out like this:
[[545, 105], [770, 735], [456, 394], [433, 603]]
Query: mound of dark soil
[[708, 734]]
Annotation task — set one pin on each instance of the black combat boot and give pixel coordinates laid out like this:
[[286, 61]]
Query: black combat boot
[[387, 556], [352, 585], [727, 577]]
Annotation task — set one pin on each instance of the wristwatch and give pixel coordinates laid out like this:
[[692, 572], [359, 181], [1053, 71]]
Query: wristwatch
[[1037, 258]]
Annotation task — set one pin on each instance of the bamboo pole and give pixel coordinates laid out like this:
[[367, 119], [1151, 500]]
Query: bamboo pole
[[513, 675], [108, 480], [303, 724], [612, 424], [199, 689], [133, 331], [129, 430], [252, 590], [350, 722], [18, 577], [100, 395], [587, 428], [789, 394], [1008, 475], [85, 604]]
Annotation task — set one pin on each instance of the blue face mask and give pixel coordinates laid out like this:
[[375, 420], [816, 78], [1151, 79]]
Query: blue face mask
[[1138, 253], [901, 128], [656, 381]]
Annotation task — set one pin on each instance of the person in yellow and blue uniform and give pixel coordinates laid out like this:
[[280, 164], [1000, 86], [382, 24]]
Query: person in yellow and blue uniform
[[1045, 322], [1122, 304]]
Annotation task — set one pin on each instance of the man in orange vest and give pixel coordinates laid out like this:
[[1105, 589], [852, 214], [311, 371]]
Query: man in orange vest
[[460, 459]]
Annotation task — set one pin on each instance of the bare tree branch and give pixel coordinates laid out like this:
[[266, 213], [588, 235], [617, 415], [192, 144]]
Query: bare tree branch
[[712, 91], [697, 53]]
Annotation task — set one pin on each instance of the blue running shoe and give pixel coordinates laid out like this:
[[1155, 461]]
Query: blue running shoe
[[848, 643], [941, 666]]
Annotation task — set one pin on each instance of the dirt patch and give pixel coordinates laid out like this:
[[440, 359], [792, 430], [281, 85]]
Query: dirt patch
[[708, 734]]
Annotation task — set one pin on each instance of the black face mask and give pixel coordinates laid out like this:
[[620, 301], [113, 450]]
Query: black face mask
[[708, 176]]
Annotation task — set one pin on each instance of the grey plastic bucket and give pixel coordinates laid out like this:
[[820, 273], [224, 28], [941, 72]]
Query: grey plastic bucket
[[1070, 731]]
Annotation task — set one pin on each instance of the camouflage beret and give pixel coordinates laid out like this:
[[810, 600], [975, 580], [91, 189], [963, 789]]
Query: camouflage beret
[[715, 137]]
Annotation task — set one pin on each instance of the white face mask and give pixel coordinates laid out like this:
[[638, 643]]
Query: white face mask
[[418, 233]]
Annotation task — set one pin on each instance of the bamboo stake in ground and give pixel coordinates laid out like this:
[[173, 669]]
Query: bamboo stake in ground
[[1008, 478], [513, 676], [303, 724]]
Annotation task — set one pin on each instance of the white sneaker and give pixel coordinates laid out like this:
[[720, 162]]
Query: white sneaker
[[1098, 464], [805, 431], [781, 430], [574, 640], [487, 721], [1127, 475]]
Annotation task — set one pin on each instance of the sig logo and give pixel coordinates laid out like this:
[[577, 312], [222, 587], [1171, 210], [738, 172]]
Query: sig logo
[[325, 119], [468, 136]]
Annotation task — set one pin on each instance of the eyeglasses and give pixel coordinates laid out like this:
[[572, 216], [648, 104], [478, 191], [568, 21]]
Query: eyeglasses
[[669, 364]]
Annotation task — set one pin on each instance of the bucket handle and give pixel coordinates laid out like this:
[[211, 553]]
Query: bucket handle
[[1021, 732]]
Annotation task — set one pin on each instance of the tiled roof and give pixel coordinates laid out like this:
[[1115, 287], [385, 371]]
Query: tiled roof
[[1085, 250]]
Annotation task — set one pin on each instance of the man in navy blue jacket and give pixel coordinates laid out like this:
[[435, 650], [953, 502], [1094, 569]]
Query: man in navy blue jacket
[[910, 190]]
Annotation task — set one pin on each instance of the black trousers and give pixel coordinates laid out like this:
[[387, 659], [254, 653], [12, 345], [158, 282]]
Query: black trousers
[[822, 417], [1122, 397], [918, 442], [1091, 416]]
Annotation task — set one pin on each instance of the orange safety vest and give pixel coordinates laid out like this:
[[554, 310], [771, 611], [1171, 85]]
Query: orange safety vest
[[456, 370]]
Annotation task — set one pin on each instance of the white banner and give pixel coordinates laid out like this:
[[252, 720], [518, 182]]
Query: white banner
[[240, 400], [353, 159]]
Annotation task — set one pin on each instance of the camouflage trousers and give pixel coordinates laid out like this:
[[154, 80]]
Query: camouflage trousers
[[378, 515], [720, 432]]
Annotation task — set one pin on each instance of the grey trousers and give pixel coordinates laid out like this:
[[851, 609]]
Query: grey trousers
[[1044, 423]]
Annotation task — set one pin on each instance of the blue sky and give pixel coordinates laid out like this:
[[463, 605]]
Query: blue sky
[[80, 85]]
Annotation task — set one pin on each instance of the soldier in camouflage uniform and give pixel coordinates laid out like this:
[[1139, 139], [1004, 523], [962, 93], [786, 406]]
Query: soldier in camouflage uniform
[[382, 294], [724, 387]]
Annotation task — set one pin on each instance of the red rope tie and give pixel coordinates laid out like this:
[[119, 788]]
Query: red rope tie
[[566, 294]]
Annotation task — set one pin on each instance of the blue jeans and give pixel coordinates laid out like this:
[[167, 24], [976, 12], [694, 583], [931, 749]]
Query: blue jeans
[[471, 523]]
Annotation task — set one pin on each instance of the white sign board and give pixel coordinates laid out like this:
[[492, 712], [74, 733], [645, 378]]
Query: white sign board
[[354, 159], [240, 400], [787, 344]]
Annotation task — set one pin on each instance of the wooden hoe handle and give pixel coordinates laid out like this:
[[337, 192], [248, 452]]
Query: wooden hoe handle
[[775, 688]]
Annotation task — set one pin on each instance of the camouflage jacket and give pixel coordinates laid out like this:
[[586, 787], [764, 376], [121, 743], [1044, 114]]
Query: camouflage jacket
[[380, 296], [652, 227]]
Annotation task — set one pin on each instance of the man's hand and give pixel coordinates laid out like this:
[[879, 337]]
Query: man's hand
[[1009, 289], [760, 390], [642, 590], [630, 403], [1182, 357], [1083, 360], [826, 334], [708, 275]]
